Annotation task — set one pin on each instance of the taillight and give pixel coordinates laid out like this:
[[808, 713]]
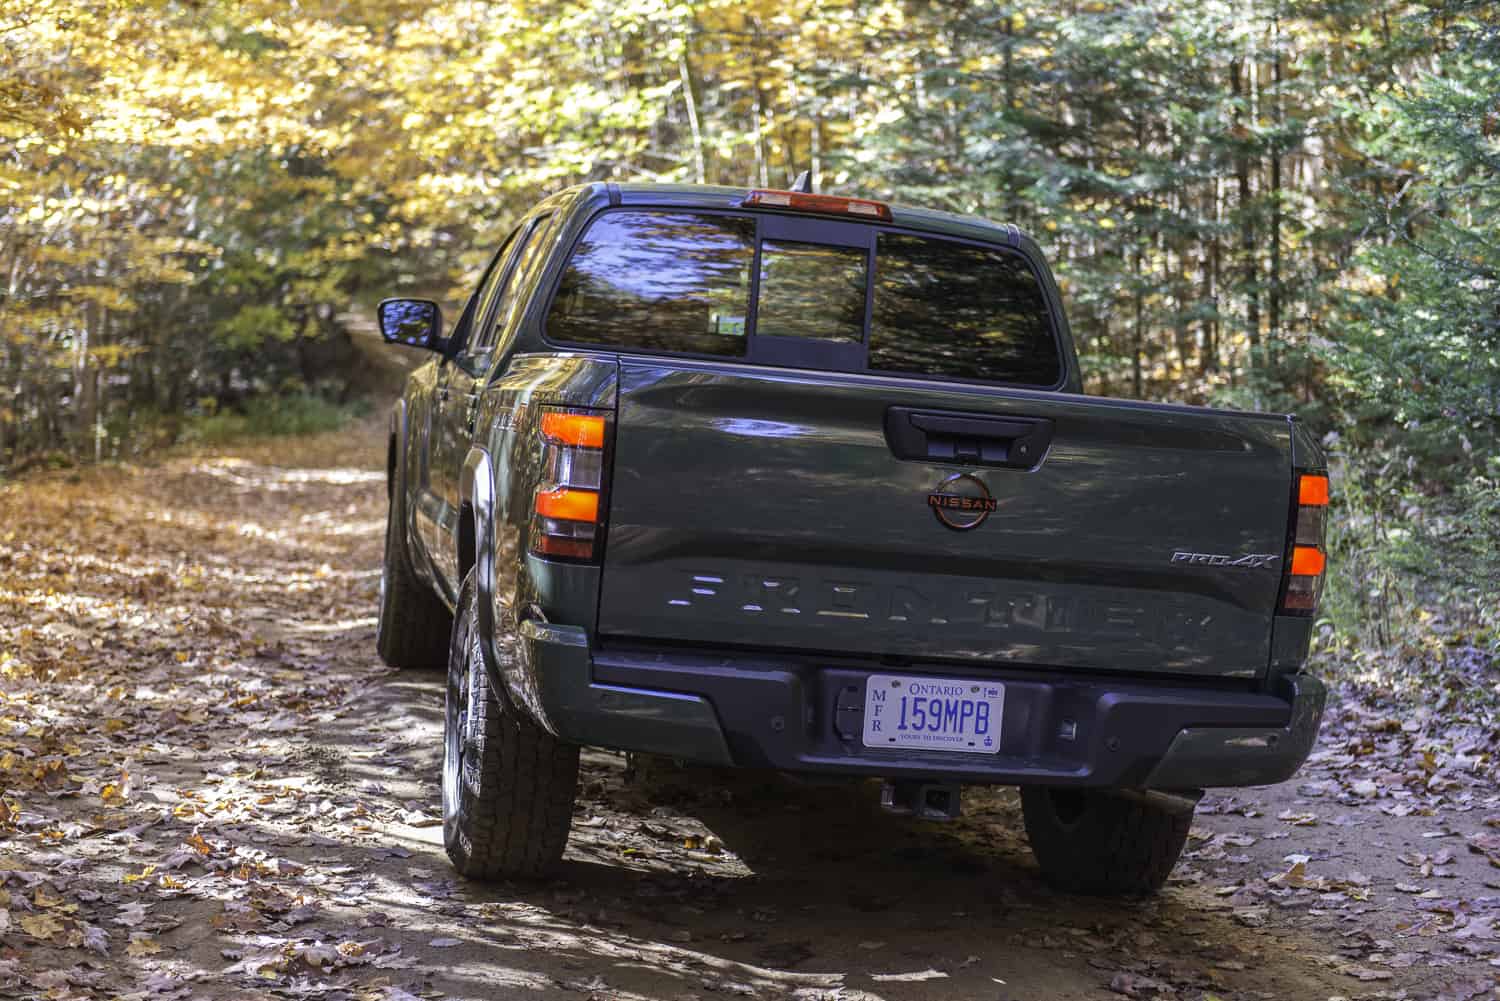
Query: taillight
[[566, 512], [585, 430], [797, 201], [1302, 583]]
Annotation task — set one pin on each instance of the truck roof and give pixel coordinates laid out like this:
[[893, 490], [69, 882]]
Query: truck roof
[[723, 197]]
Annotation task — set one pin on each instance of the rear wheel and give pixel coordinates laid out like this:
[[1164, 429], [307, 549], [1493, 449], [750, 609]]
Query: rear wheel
[[414, 623], [1091, 841], [508, 784]]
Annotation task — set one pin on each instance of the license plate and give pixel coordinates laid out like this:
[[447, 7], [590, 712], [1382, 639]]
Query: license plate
[[934, 714]]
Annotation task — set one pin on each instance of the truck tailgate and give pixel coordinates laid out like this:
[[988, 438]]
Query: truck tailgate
[[768, 508]]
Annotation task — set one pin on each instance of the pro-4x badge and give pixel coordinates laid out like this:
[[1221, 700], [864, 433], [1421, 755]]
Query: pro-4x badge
[[1253, 561], [962, 502]]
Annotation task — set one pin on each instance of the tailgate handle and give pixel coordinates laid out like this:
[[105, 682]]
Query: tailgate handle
[[967, 439]]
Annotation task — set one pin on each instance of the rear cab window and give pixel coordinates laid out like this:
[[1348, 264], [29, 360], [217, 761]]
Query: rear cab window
[[963, 310], [870, 299]]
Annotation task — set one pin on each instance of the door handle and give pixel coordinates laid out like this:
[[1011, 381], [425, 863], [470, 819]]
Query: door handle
[[978, 428], [967, 439]]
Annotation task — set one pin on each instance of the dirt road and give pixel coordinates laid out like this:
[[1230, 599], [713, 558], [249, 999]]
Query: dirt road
[[213, 789]]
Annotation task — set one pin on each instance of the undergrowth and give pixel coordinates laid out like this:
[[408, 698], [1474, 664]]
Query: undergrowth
[[299, 413], [138, 433], [1412, 605]]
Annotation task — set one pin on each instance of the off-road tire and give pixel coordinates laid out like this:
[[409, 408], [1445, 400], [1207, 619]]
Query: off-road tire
[[1089, 841], [414, 623], [508, 784]]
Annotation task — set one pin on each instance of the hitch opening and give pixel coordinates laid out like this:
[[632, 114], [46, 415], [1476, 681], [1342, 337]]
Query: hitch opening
[[924, 800]]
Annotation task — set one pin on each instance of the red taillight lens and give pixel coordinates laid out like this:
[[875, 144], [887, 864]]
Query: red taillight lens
[[1302, 582], [1301, 594], [552, 539], [566, 513], [797, 201]]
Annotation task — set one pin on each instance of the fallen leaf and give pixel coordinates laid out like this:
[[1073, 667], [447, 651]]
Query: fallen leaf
[[142, 944], [1252, 917], [96, 939], [1296, 876], [42, 926], [1298, 819], [918, 976], [1478, 926]]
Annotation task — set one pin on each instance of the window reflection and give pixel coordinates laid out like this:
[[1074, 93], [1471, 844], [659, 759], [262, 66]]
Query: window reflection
[[809, 290], [662, 281], [407, 321], [513, 299], [945, 308]]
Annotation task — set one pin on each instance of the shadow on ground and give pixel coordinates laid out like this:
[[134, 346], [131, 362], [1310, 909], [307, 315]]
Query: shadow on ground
[[690, 882]]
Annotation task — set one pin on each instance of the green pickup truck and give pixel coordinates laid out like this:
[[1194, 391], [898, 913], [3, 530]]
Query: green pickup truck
[[772, 479]]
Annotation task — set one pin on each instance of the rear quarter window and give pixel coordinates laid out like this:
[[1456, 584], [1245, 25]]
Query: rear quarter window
[[660, 281], [952, 309]]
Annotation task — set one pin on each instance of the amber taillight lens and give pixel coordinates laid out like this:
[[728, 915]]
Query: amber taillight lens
[[567, 515]]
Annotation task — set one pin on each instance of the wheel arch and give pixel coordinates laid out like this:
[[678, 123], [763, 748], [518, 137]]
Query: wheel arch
[[390, 466], [395, 463], [475, 541]]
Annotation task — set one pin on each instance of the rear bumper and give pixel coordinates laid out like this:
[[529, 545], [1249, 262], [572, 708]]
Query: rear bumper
[[800, 715]]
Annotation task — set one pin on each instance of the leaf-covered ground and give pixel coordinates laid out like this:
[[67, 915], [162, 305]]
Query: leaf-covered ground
[[211, 788]]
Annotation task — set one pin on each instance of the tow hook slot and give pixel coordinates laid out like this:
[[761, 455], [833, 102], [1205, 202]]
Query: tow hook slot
[[923, 800]]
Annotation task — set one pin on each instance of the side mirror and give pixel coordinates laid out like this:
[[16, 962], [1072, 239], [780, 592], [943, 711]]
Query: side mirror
[[417, 323]]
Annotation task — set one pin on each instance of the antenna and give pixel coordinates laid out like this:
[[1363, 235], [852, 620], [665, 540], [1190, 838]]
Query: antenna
[[803, 183]]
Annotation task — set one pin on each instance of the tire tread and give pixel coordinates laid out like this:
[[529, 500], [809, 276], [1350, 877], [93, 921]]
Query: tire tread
[[1117, 847], [514, 820], [414, 623]]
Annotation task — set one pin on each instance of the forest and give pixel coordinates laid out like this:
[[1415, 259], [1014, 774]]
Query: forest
[[1288, 205]]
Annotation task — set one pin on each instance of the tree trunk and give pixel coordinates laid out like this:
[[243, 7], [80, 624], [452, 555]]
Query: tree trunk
[[86, 382], [1246, 212], [762, 165], [1208, 361], [1274, 293], [690, 98], [1139, 346]]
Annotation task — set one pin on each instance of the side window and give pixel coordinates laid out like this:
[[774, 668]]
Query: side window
[[507, 316], [482, 339], [469, 319]]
